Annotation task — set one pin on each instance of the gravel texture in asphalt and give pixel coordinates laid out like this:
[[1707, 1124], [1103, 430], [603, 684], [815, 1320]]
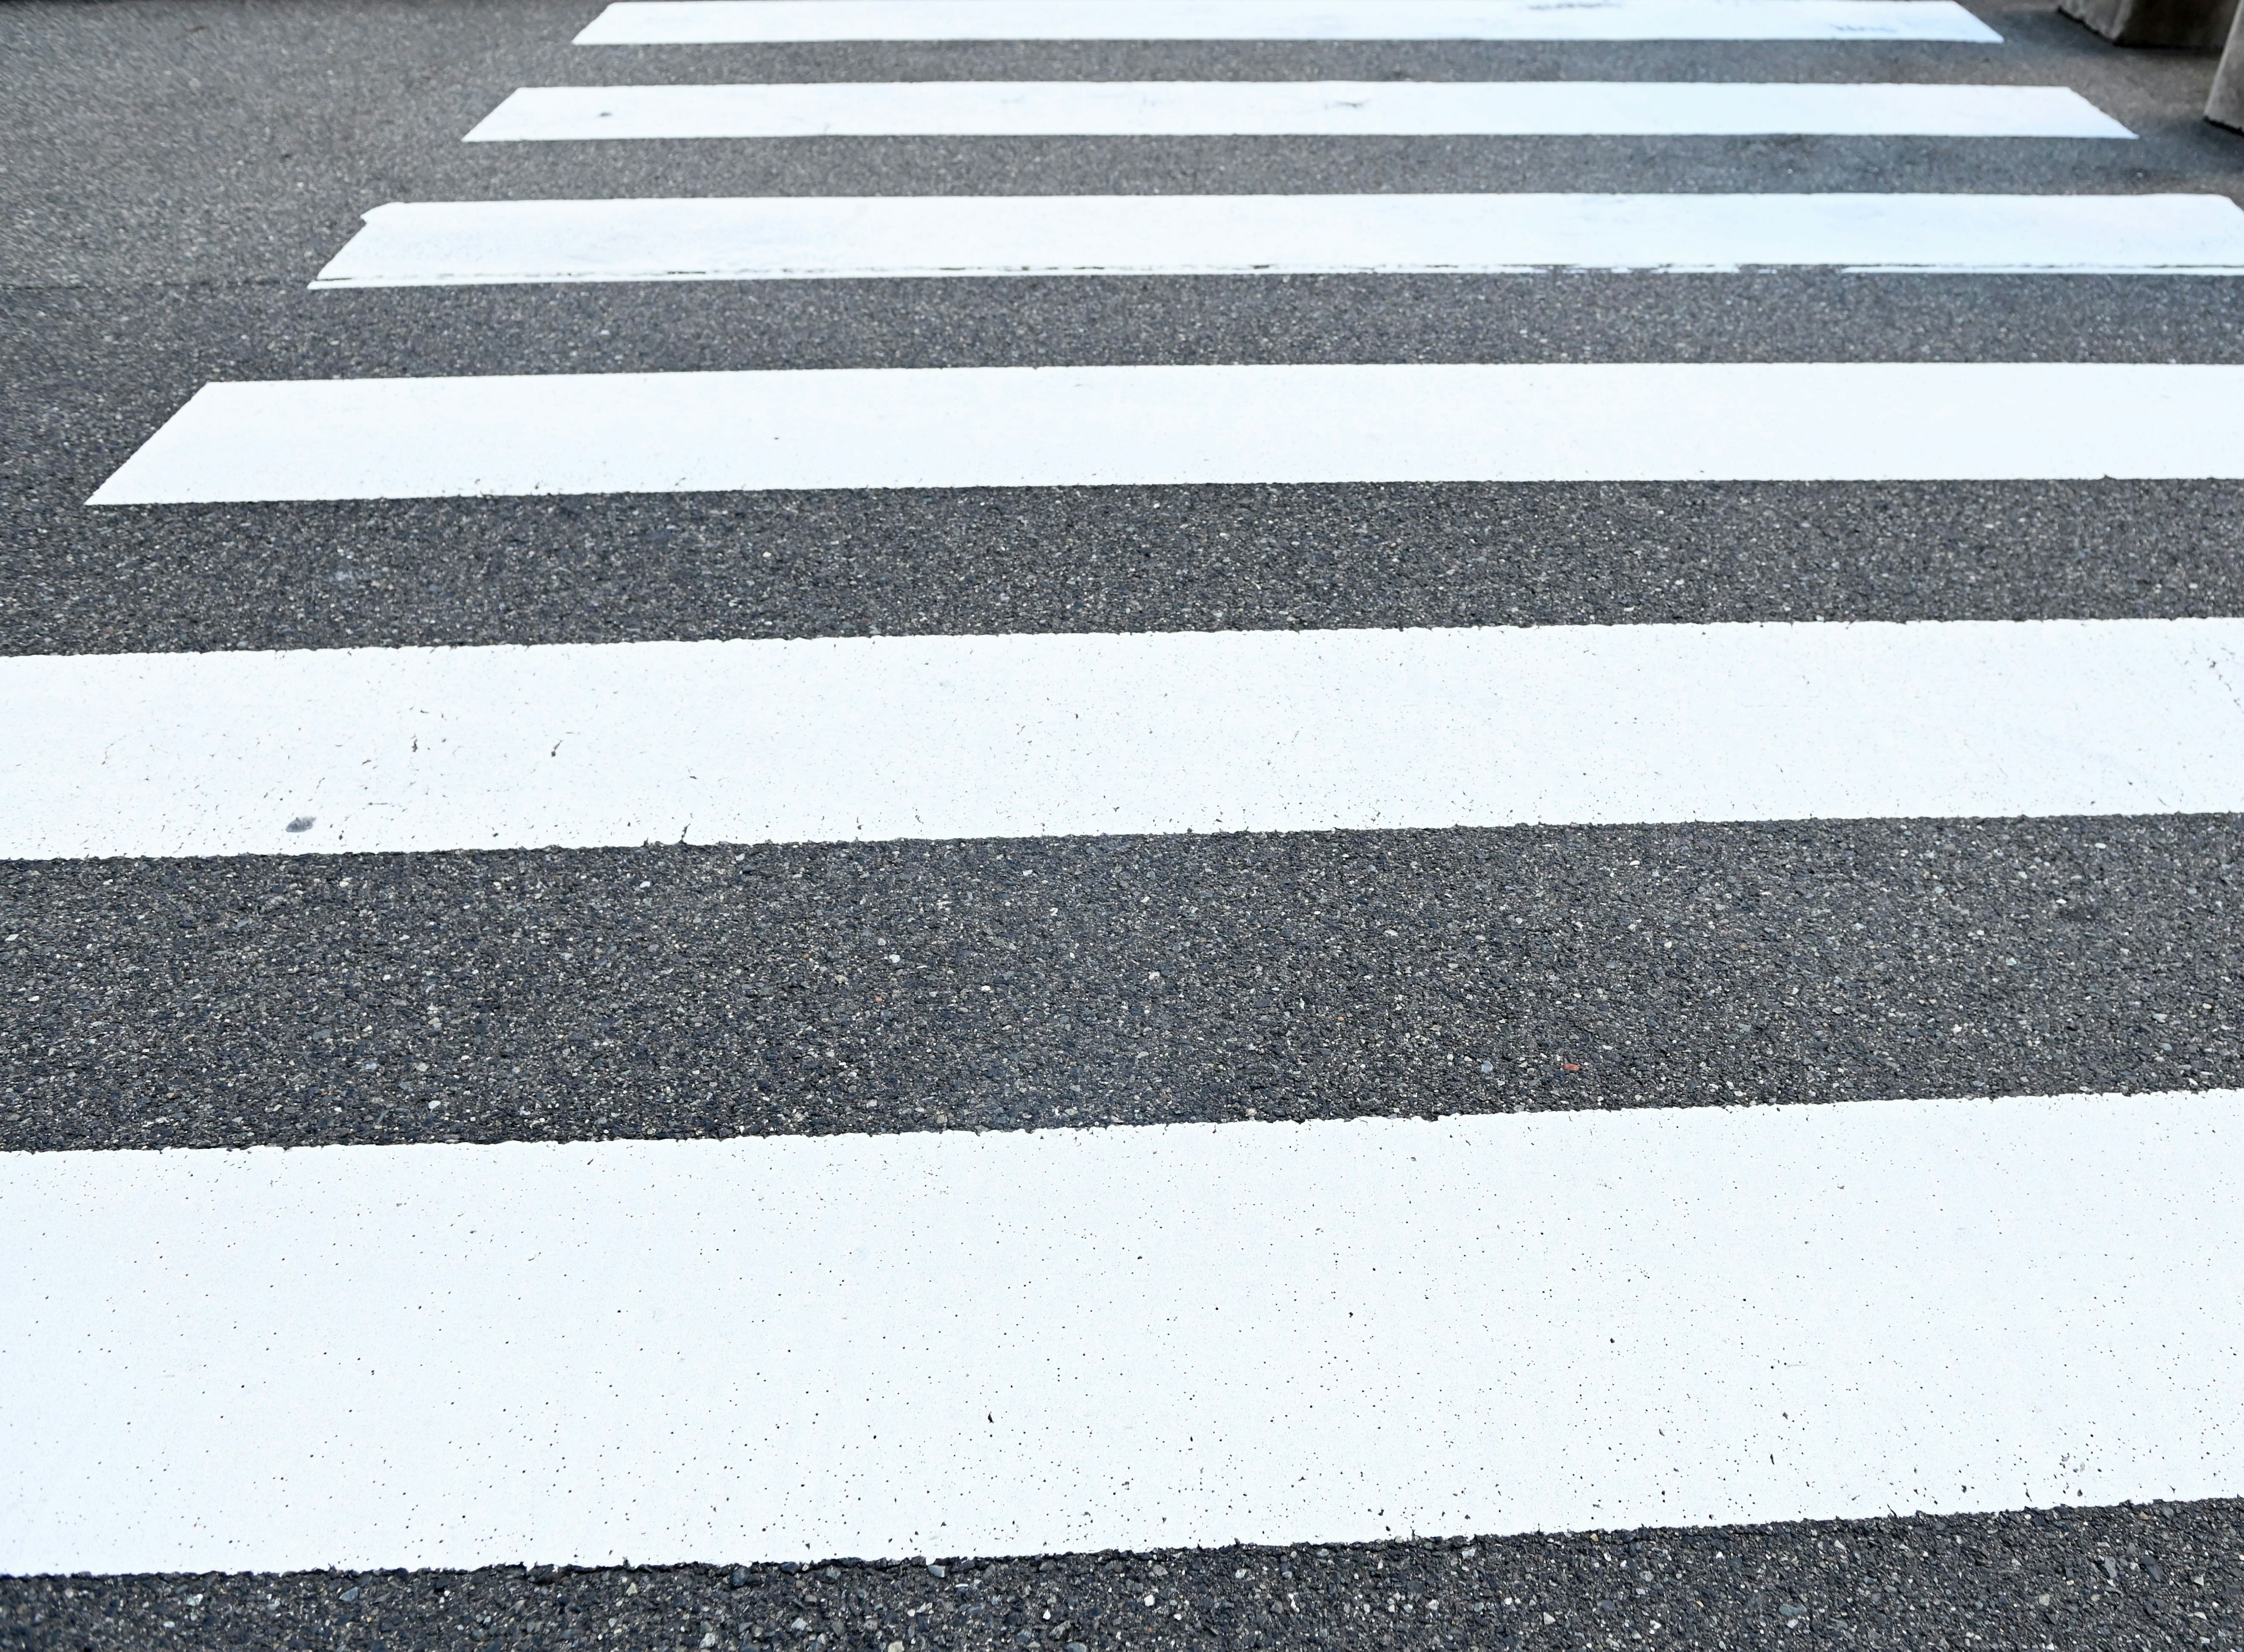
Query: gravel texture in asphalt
[[690, 566], [689, 991], [2166, 1575]]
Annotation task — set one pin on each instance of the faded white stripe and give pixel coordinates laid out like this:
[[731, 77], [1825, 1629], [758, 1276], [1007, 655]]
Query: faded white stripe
[[979, 108], [455, 243], [1090, 426], [1022, 1342], [719, 22], [1035, 736]]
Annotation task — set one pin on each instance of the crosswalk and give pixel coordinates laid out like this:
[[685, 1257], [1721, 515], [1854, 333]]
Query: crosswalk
[[748, 1091]]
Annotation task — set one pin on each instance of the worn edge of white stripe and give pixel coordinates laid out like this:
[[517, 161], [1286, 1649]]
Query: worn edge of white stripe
[[947, 1342], [369, 750], [1106, 426], [743, 21], [786, 238], [997, 108]]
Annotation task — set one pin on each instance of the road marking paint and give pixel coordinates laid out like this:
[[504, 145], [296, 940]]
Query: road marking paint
[[946, 1343], [852, 739], [999, 108], [1094, 426], [733, 22], [456, 243]]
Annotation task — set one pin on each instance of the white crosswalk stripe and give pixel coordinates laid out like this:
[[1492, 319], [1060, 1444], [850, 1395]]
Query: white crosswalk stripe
[[1104, 426], [455, 243], [716, 21], [381, 750], [951, 1342], [746, 1333], [1234, 108]]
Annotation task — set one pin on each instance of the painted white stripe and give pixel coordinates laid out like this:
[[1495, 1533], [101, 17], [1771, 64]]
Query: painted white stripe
[[456, 243], [1227, 108], [941, 1344], [1033, 735], [632, 22], [1093, 426]]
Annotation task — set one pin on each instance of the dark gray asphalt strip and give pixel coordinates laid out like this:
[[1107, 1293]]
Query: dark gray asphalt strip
[[621, 569], [2164, 1575], [110, 365], [630, 569], [1235, 166], [1321, 165], [681, 992]]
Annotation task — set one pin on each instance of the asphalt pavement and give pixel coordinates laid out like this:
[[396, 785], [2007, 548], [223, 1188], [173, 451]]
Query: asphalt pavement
[[175, 173]]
